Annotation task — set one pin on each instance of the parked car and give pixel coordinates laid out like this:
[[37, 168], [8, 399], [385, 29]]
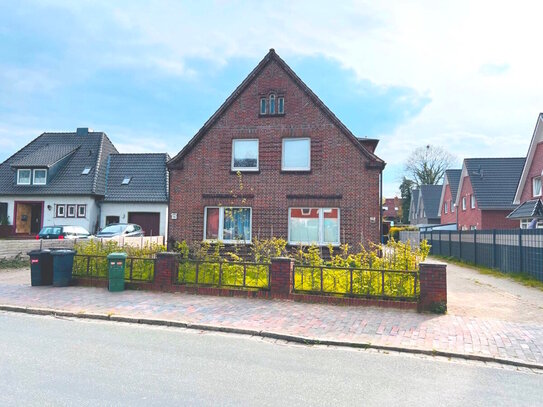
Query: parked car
[[121, 229], [63, 232]]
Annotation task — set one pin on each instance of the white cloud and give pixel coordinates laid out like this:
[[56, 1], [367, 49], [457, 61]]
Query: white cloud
[[478, 61]]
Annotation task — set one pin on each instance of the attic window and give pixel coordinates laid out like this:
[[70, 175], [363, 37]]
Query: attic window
[[126, 180], [86, 171], [272, 105]]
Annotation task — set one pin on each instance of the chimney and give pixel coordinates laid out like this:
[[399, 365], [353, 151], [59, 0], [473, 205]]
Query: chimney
[[83, 131]]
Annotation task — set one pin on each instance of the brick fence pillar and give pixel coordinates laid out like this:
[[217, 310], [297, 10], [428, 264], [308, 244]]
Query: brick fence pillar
[[433, 287], [166, 265], [281, 276]]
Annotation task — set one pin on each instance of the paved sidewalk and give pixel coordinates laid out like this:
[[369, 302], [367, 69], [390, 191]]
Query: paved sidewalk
[[485, 335]]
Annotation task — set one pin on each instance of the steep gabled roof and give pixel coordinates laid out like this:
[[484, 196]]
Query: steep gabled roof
[[452, 179], [430, 196], [272, 56], [494, 181], [76, 152], [528, 210], [147, 175], [537, 138], [414, 206]]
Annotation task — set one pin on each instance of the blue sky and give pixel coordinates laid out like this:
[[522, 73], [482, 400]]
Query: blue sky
[[150, 75]]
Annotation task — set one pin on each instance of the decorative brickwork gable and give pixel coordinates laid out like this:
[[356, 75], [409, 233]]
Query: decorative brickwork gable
[[343, 173]]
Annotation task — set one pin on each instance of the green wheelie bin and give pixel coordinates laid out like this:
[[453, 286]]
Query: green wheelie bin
[[116, 263], [63, 264]]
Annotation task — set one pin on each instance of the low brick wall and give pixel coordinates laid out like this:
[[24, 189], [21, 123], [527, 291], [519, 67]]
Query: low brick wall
[[433, 286]]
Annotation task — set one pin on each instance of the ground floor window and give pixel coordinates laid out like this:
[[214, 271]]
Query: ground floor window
[[227, 224], [313, 225]]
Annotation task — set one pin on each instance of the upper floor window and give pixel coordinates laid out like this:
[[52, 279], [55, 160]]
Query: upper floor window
[[472, 201], [245, 155], [536, 185], [272, 105], [40, 177], [463, 203], [280, 105], [445, 207], [296, 154], [24, 177], [452, 206]]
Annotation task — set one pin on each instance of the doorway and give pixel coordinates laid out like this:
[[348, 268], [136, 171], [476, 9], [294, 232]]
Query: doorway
[[28, 217]]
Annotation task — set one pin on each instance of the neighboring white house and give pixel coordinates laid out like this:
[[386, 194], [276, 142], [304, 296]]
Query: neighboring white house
[[78, 179], [56, 179], [137, 192]]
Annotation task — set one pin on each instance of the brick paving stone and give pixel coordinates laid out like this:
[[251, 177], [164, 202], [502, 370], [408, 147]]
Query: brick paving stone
[[519, 340]]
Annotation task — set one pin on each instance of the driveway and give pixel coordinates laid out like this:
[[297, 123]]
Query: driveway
[[478, 295]]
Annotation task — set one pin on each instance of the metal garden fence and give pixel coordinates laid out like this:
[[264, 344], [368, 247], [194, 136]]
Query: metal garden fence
[[96, 266], [509, 250], [357, 282], [224, 274]]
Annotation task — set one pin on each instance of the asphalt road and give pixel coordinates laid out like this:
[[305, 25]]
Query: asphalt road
[[50, 361]]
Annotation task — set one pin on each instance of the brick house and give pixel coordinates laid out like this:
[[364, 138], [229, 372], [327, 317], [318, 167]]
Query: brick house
[[273, 160], [486, 191], [529, 205], [392, 209], [447, 209]]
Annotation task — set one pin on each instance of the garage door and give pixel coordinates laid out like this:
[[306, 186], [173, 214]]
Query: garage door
[[149, 222]]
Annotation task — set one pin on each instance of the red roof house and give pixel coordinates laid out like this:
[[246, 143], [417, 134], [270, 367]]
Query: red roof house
[[528, 193]]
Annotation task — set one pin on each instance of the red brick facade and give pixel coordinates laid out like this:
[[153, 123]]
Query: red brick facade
[[343, 173], [480, 219], [536, 168], [449, 216]]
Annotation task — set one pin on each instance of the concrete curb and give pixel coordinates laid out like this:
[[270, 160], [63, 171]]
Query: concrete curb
[[263, 334]]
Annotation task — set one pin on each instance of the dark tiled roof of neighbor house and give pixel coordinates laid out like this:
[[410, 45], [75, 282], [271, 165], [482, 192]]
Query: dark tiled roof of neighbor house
[[146, 178], [431, 195], [527, 210], [494, 180], [72, 153], [453, 176]]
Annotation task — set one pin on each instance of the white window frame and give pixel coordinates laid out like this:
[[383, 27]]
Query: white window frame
[[452, 206], [68, 207], [221, 224], [540, 186], [29, 177], [463, 203], [79, 207], [321, 227], [445, 206], [263, 103], [472, 201], [57, 211], [283, 168], [34, 177], [257, 168]]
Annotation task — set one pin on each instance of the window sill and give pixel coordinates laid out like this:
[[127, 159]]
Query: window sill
[[296, 172], [232, 171], [260, 115]]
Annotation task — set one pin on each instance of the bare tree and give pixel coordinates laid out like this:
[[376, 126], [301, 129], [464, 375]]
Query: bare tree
[[427, 165]]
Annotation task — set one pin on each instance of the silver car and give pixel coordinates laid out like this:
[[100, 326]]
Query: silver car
[[121, 229]]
